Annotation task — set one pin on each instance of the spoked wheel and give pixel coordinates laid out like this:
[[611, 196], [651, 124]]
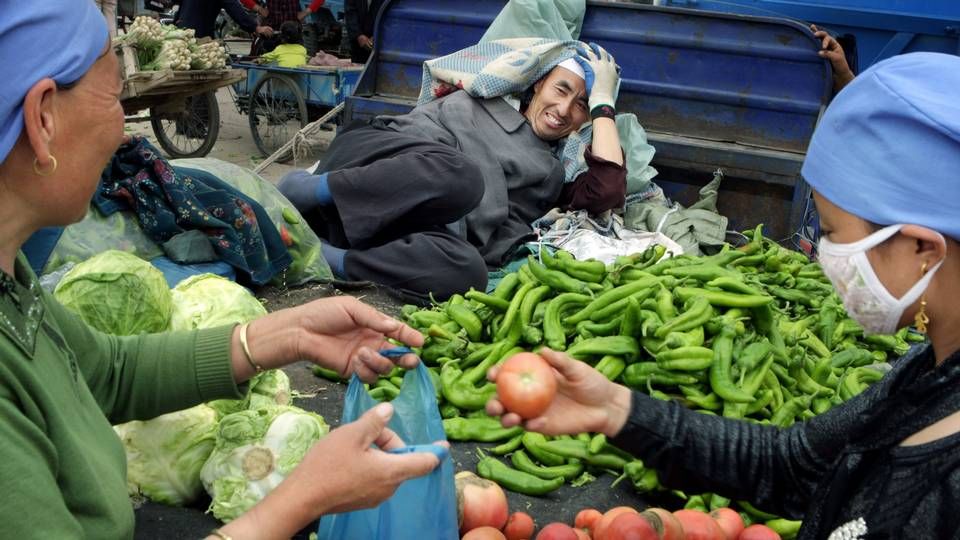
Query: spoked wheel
[[277, 112], [190, 132]]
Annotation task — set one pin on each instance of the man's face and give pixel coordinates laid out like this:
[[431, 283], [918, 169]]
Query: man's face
[[559, 105]]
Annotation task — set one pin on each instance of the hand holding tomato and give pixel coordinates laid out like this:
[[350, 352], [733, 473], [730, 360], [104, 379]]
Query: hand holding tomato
[[585, 401]]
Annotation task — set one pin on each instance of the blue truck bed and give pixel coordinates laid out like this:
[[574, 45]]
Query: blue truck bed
[[742, 93]]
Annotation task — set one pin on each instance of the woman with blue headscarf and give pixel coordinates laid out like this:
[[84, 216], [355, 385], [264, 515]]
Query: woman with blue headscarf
[[884, 163], [62, 467]]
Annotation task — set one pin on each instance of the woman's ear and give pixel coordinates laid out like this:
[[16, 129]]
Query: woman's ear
[[39, 119], [931, 245]]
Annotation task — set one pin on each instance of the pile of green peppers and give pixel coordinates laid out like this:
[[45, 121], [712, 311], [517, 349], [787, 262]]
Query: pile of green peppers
[[754, 333]]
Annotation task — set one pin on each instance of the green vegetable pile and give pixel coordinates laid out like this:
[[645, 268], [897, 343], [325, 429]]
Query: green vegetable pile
[[160, 47], [754, 333]]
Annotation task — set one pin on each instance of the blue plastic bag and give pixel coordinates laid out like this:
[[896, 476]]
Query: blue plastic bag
[[424, 507]]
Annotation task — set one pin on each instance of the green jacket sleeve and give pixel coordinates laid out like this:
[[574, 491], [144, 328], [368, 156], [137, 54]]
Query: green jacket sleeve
[[28, 480], [140, 377]]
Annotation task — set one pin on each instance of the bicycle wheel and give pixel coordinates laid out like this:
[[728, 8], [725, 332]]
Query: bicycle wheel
[[191, 132], [277, 112]]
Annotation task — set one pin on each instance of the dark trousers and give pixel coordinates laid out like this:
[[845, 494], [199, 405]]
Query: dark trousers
[[399, 203]]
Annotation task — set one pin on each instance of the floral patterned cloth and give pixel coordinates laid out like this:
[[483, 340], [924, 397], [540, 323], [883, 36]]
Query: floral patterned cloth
[[169, 201]]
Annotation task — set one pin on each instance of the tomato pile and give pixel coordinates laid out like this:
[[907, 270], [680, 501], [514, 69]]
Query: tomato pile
[[626, 523]]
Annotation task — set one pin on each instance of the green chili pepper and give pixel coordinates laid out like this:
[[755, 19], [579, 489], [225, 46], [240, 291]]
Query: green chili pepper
[[513, 312], [463, 393], [638, 375], [507, 447], [695, 503], [522, 462], [532, 335], [786, 528], [328, 374], [630, 323], [427, 318], [478, 429], [599, 329], [697, 314], [795, 296], [449, 410], [624, 346], [720, 377], [734, 284], [597, 443], [764, 398], [384, 393], [514, 480], [491, 301], [757, 514], [686, 358], [722, 298], [611, 296], [710, 402], [812, 342], [555, 279], [605, 313], [579, 450], [533, 443], [701, 272], [504, 289], [611, 367], [530, 302], [467, 319], [784, 416], [553, 332]]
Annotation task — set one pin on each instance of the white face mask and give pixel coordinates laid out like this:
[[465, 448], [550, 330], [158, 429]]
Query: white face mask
[[864, 296]]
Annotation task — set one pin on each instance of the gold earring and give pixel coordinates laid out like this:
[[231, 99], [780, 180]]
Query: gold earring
[[921, 320], [40, 172]]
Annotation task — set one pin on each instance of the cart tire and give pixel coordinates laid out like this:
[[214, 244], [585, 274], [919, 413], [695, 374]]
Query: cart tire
[[274, 117], [191, 133]]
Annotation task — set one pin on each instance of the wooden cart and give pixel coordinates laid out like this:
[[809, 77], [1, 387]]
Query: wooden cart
[[183, 105]]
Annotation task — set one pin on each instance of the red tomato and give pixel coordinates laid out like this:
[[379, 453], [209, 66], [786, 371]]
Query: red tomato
[[600, 529], [587, 519], [730, 521], [758, 532], [664, 522], [484, 533], [557, 531], [630, 526], [526, 384], [519, 526], [698, 525], [480, 502]]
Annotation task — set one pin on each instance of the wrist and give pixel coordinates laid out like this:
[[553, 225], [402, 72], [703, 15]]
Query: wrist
[[618, 410]]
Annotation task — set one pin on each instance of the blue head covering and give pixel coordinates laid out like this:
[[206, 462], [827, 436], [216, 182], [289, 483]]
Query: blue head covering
[[57, 39], [888, 147]]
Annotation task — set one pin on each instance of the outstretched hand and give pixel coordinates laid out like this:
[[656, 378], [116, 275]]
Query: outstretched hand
[[586, 401]]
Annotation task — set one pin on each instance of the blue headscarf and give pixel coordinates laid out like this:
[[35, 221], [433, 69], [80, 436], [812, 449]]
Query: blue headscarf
[[888, 148], [57, 39]]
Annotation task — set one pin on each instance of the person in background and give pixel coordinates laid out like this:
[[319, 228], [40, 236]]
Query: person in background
[[62, 383], [883, 165], [291, 52], [360, 16], [201, 16], [425, 202], [831, 50], [109, 10]]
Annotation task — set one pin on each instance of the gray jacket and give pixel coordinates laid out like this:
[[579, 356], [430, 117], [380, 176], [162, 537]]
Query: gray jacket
[[522, 177]]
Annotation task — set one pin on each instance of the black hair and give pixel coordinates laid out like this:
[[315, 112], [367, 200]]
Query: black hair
[[291, 34]]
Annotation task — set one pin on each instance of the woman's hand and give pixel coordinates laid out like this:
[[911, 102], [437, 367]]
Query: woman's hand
[[831, 50], [341, 333], [586, 401], [342, 472]]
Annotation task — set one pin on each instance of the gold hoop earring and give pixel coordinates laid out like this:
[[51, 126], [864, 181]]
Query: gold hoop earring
[[40, 172], [921, 320]]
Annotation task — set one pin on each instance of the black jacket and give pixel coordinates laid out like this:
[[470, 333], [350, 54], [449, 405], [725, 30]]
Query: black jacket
[[201, 15], [360, 17], [841, 466]]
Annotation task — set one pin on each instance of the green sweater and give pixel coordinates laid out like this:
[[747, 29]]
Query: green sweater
[[62, 385]]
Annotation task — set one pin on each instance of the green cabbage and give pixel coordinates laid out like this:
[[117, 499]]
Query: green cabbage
[[117, 293], [267, 389], [165, 454], [208, 300], [255, 450]]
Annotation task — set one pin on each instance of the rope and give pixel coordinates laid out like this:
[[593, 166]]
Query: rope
[[299, 142]]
